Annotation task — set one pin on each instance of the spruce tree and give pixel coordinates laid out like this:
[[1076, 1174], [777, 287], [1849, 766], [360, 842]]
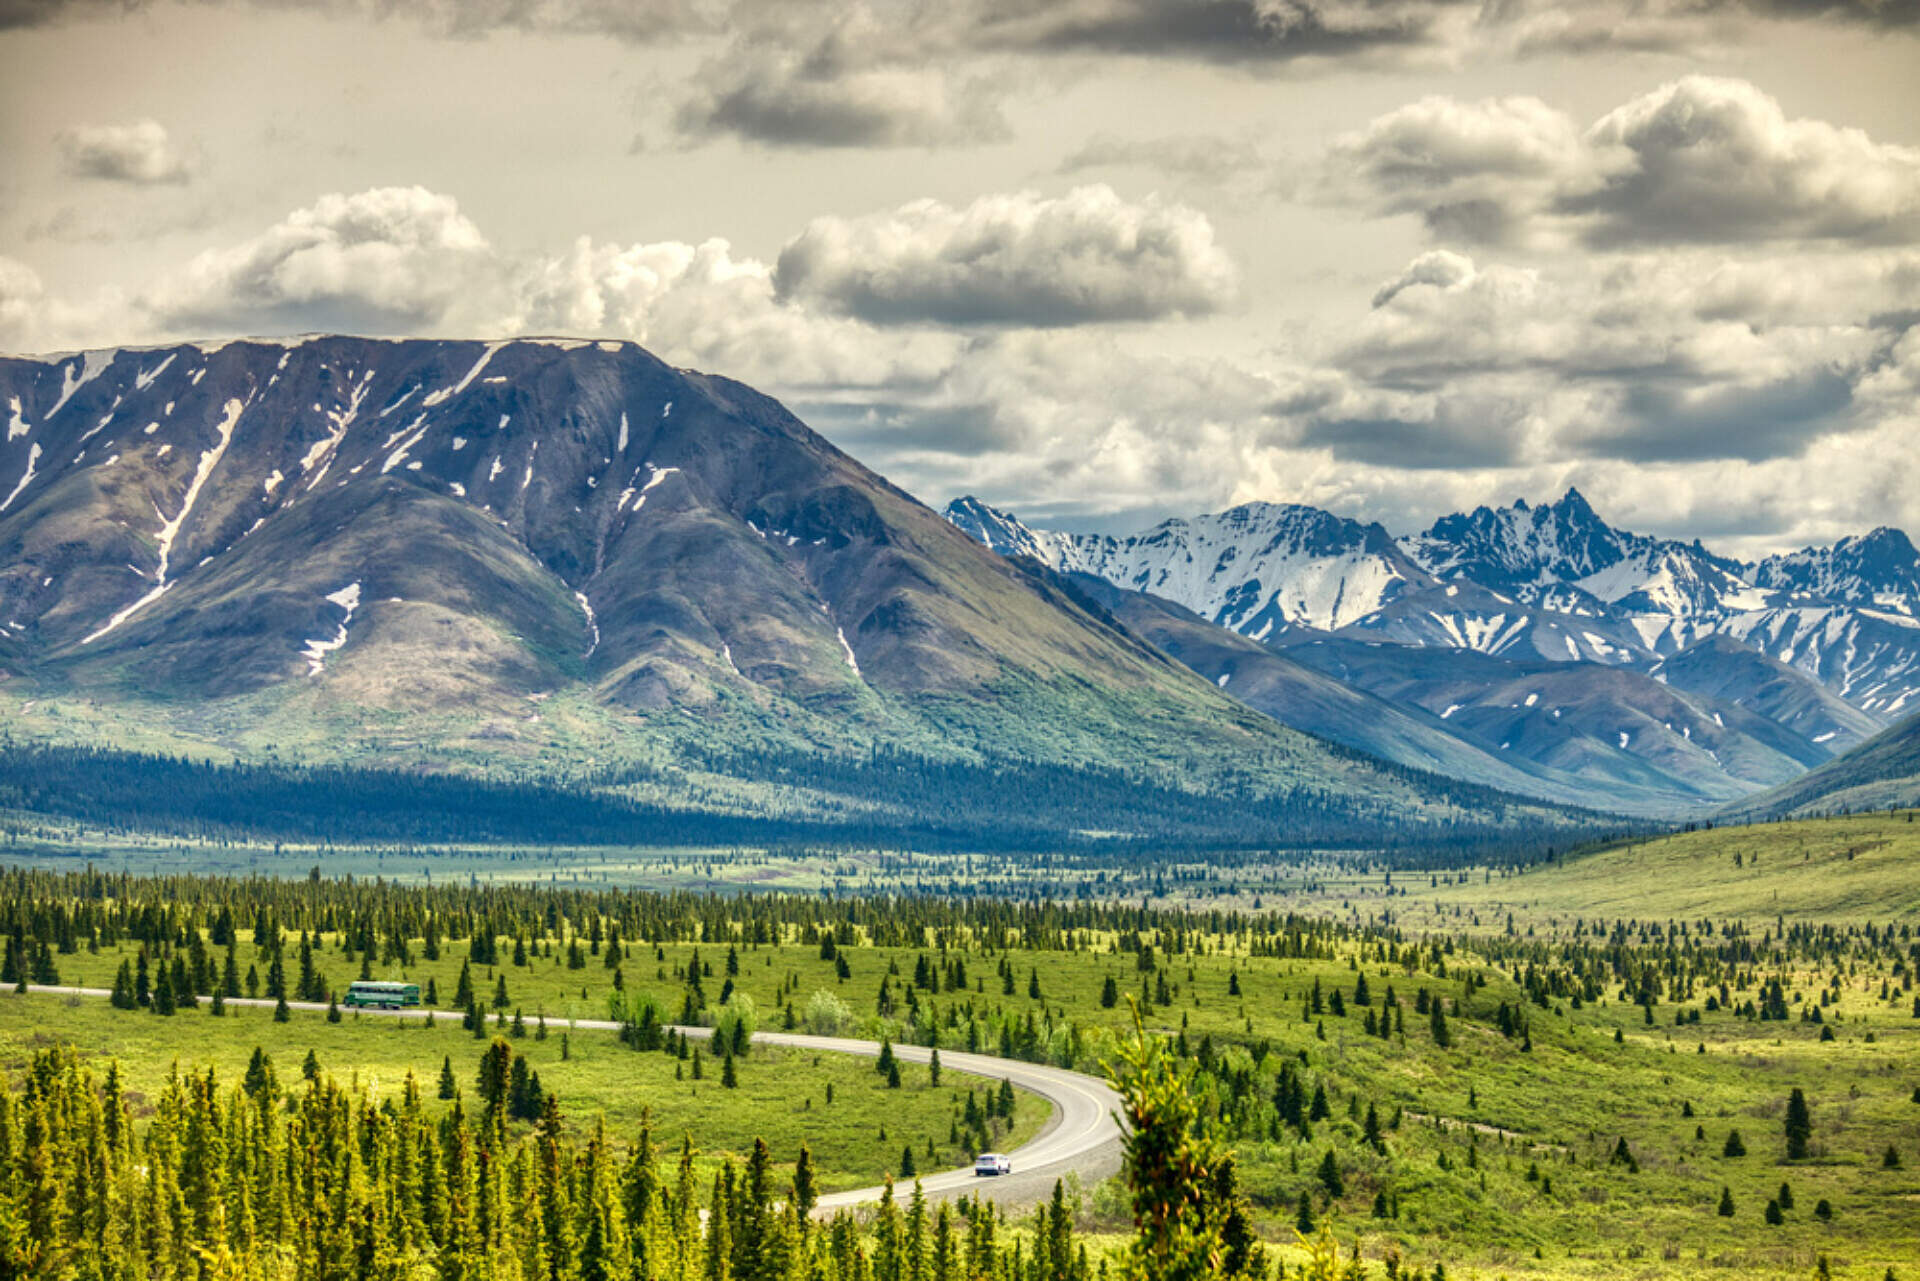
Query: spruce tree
[[1329, 1176], [1437, 1019], [1799, 1125], [1726, 1203]]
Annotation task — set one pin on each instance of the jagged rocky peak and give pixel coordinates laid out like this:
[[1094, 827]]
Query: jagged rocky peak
[[1520, 546], [1258, 568], [1880, 568]]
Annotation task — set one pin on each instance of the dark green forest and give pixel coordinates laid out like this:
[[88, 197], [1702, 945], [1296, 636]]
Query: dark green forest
[[921, 804]]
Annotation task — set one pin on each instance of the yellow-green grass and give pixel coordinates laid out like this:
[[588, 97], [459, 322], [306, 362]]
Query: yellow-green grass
[[1563, 1105], [1852, 869], [781, 1095]]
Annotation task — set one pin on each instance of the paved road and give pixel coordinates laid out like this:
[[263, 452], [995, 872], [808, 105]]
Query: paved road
[[1082, 1135]]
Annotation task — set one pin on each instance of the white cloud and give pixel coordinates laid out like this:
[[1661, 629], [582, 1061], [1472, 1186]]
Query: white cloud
[[1699, 160], [386, 260], [1019, 259], [1707, 159], [139, 153], [699, 304]]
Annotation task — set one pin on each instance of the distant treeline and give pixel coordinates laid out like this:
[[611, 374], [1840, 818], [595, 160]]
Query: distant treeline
[[902, 802]]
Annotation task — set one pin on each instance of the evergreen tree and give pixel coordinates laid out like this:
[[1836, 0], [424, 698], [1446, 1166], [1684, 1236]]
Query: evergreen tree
[[1329, 1176], [1799, 1125], [1171, 1163], [123, 997]]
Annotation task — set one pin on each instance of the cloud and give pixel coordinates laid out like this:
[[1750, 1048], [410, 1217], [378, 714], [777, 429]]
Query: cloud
[[699, 304], [1019, 259], [1707, 159], [1217, 30], [405, 260], [387, 260], [22, 297], [1473, 172], [782, 101], [1203, 156], [1701, 160], [139, 153], [1652, 358]]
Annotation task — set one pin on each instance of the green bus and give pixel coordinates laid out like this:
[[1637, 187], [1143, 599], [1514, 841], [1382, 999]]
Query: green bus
[[382, 996]]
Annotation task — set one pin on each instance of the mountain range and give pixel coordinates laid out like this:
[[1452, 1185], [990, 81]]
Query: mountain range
[[568, 562], [1606, 667]]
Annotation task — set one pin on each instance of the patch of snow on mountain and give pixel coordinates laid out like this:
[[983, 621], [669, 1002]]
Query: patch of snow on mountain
[[16, 425], [142, 381], [654, 477], [448, 393], [316, 651], [73, 378], [593, 624], [169, 531], [853, 663], [26, 478]]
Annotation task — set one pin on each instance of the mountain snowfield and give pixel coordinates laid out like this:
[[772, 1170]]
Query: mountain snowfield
[[1839, 627]]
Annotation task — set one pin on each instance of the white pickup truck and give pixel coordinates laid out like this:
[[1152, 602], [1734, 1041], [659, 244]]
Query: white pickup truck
[[993, 1163]]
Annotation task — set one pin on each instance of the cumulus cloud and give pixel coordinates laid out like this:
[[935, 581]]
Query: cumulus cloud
[[784, 101], [139, 153], [405, 260], [1713, 160], [1066, 419], [1700, 160], [386, 260], [1642, 359], [1019, 259], [1470, 171], [701, 304]]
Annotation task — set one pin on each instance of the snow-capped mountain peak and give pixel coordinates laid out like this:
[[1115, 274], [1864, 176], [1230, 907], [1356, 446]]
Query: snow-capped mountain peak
[[1551, 581], [1880, 569], [1259, 568]]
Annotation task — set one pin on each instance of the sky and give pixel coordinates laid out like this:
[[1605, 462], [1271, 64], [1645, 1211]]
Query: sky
[[1098, 262]]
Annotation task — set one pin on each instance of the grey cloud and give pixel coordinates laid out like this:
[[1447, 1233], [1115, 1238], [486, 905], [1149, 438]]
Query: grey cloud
[[1455, 431], [1440, 269], [777, 102], [1214, 30], [1016, 259], [139, 153], [1717, 160], [961, 429], [1753, 422], [1699, 160]]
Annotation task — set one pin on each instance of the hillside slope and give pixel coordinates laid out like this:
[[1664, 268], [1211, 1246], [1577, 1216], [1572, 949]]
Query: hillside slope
[[1882, 772], [538, 558]]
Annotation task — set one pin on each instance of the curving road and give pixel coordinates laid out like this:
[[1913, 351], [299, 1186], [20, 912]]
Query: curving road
[[1082, 1136]]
